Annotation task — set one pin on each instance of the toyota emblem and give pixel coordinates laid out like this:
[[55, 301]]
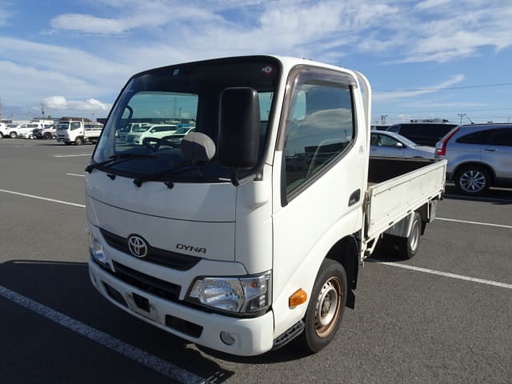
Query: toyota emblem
[[137, 246]]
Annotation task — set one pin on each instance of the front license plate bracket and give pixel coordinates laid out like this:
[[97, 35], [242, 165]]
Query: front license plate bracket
[[141, 302]]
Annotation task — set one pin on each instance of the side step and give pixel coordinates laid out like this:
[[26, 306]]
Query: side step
[[290, 334]]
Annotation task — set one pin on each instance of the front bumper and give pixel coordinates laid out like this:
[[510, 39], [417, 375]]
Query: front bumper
[[250, 336]]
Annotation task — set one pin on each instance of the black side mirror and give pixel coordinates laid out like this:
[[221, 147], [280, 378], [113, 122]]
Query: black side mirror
[[239, 133]]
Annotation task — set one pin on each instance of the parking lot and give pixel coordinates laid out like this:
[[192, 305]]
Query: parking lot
[[442, 317]]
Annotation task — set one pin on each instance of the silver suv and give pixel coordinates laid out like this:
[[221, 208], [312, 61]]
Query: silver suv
[[479, 156]]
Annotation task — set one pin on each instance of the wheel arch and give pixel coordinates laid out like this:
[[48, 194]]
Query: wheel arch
[[346, 252]]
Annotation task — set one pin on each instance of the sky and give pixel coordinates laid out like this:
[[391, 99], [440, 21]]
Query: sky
[[430, 59]]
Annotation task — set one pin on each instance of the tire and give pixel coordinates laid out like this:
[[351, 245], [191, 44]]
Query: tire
[[326, 306], [473, 180], [79, 141], [47, 136], [408, 246], [13, 135]]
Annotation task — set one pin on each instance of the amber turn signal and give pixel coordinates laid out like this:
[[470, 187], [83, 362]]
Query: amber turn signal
[[297, 298]]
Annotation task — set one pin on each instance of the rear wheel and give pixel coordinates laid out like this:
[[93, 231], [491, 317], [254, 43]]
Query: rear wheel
[[47, 136], [326, 306], [13, 135], [79, 141], [408, 246], [473, 180]]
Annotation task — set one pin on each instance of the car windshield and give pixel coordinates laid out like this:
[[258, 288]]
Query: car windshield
[[183, 98]]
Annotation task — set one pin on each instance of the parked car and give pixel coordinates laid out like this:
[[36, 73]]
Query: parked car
[[479, 157], [155, 131], [10, 130], [3, 130], [47, 132], [25, 130], [389, 144], [124, 131], [422, 133], [180, 133]]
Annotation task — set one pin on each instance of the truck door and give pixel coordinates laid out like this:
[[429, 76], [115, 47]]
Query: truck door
[[321, 176]]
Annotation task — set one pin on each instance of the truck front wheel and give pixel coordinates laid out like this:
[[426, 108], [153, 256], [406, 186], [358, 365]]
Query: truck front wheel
[[79, 141], [326, 306], [408, 246]]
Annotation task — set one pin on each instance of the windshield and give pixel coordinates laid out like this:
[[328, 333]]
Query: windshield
[[158, 108]]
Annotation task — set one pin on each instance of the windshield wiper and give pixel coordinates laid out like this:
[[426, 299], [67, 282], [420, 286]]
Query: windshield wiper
[[115, 159], [163, 176]]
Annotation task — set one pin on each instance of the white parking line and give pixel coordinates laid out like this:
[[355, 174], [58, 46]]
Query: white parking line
[[77, 155], [75, 174], [127, 350], [42, 198], [476, 223], [446, 274]]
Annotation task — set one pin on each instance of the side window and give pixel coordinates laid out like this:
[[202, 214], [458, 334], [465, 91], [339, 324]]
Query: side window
[[501, 137], [319, 128], [75, 126], [475, 138], [387, 141]]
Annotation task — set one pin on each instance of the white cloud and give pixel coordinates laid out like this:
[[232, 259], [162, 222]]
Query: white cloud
[[407, 94], [60, 103], [89, 24]]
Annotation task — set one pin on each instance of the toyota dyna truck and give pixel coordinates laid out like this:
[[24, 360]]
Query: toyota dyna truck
[[251, 230]]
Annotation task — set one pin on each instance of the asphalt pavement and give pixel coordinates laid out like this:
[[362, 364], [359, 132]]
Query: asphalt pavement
[[442, 317]]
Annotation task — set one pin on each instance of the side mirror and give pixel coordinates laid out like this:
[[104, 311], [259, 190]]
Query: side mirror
[[239, 128]]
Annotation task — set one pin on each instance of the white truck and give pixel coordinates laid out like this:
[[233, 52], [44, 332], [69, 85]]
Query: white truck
[[252, 230], [78, 132]]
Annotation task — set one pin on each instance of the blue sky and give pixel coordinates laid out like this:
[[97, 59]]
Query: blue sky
[[448, 59]]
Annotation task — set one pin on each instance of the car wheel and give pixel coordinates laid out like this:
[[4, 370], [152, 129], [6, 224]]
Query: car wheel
[[47, 136], [326, 306], [473, 180], [79, 141], [13, 135]]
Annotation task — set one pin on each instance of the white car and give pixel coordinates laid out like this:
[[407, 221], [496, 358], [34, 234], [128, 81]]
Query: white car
[[390, 144], [122, 133], [26, 130], [10, 130], [3, 130], [179, 134], [155, 131]]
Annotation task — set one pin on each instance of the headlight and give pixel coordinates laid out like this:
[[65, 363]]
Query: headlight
[[96, 250], [237, 295]]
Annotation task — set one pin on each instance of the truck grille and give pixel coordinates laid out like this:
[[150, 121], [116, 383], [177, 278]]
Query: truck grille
[[147, 283], [158, 256]]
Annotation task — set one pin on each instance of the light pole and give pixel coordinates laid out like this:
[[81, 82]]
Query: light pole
[[461, 115]]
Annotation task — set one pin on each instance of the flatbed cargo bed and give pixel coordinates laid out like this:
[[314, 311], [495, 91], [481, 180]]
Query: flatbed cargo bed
[[397, 187]]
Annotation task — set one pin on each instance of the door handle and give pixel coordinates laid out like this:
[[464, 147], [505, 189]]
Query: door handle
[[354, 197]]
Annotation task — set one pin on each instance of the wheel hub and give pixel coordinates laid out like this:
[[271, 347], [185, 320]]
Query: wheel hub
[[472, 181], [328, 307]]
